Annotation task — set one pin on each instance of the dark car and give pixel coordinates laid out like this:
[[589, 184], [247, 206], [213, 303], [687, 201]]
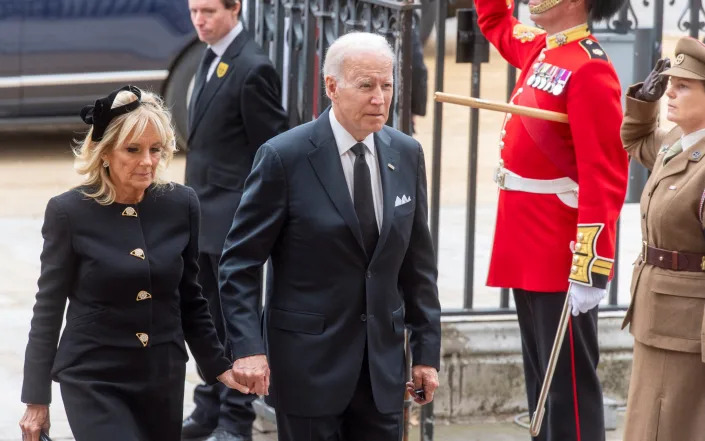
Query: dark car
[[58, 55]]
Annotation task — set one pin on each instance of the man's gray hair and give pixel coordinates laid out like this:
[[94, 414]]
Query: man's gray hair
[[350, 44]]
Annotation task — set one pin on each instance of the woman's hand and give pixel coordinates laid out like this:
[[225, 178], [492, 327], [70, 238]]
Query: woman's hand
[[34, 420], [655, 84]]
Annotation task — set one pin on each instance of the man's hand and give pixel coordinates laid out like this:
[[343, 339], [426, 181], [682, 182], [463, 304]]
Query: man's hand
[[655, 84], [252, 372], [228, 379], [584, 298], [423, 377], [34, 420]]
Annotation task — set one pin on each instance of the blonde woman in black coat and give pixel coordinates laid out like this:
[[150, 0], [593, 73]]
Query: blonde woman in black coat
[[122, 249]]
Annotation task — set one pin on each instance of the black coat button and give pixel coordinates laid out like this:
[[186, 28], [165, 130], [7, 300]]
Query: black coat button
[[368, 274], [363, 317]]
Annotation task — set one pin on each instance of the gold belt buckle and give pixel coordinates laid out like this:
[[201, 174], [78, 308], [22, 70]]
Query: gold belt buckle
[[644, 250]]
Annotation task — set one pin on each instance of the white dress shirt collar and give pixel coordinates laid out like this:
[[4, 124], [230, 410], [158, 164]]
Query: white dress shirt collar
[[689, 140], [345, 140], [222, 45]]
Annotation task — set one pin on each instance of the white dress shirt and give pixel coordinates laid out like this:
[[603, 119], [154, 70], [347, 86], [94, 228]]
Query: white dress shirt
[[689, 140], [221, 46], [345, 142]]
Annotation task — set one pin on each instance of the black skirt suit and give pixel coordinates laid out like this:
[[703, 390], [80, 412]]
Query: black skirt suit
[[129, 273]]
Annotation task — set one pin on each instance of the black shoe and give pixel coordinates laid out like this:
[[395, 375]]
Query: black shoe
[[192, 430], [224, 435]]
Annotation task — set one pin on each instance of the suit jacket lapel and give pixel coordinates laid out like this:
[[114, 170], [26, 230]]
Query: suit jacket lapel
[[325, 161], [386, 154], [212, 86]]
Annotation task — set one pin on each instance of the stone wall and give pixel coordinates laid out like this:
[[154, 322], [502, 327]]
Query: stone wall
[[481, 372]]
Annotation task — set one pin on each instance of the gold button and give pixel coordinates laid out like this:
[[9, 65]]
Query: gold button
[[143, 338], [503, 133], [137, 252], [573, 269], [660, 258], [501, 144], [130, 212], [581, 236], [578, 246], [143, 295], [575, 259]]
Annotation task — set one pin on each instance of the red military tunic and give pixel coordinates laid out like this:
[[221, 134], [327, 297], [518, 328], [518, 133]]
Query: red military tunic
[[533, 231]]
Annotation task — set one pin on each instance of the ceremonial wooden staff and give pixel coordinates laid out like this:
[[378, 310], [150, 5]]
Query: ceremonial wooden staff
[[501, 107], [537, 417]]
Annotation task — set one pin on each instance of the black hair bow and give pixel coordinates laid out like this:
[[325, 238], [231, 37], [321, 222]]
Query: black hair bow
[[100, 114]]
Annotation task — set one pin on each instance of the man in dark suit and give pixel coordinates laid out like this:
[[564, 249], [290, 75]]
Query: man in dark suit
[[234, 108], [340, 206]]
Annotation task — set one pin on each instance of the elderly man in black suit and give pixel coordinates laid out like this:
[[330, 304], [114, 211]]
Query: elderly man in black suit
[[340, 206], [235, 107]]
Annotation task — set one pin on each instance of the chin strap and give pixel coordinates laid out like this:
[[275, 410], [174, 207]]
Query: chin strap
[[544, 6]]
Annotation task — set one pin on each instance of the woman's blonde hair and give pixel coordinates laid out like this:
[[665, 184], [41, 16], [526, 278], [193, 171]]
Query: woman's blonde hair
[[121, 130]]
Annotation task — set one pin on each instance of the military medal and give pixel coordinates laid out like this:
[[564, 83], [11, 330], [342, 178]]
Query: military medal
[[532, 78], [544, 76], [560, 85], [555, 80], [540, 75], [551, 79]]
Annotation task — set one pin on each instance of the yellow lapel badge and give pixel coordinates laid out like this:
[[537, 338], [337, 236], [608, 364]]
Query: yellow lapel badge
[[222, 69]]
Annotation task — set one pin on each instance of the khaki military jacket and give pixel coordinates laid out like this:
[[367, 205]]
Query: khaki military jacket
[[667, 306]]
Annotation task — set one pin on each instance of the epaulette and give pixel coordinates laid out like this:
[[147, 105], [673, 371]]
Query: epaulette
[[593, 49], [526, 33]]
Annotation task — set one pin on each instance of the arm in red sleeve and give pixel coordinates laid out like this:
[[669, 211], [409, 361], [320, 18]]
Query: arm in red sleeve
[[514, 41], [595, 112]]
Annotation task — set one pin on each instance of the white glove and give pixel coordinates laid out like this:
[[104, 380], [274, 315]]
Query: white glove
[[584, 298]]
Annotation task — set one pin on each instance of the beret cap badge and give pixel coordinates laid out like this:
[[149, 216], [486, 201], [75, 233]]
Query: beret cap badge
[[100, 114]]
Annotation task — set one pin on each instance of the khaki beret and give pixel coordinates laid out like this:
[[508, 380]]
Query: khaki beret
[[689, 61]]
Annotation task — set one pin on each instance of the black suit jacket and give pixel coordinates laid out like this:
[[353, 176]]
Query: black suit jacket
[[326, 303], [235, 114], [114, 295]]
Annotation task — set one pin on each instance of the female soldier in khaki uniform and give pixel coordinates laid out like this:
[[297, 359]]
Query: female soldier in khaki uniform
[[667, 390]]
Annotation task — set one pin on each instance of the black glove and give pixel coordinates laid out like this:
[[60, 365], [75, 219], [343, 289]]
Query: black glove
[[655, 84]]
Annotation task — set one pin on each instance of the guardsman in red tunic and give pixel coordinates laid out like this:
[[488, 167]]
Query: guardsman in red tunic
[[562, 187]]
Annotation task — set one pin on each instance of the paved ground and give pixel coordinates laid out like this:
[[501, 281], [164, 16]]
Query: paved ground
[[34, 168]]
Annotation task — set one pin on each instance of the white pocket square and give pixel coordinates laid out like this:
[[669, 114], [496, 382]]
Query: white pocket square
[[402, 200]]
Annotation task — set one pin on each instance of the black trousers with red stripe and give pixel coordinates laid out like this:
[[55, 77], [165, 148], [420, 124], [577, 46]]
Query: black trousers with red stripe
[[574, 409]]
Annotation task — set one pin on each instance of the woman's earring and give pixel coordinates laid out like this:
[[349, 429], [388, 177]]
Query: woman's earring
[[105, 164]]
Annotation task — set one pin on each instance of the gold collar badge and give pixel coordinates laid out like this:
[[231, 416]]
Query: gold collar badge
[[567, 36]]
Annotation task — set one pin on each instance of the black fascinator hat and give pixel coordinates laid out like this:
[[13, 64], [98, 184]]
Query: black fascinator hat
[[100, 114]]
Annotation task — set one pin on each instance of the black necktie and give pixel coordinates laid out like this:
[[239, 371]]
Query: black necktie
[[364, 204], [200, 82]]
